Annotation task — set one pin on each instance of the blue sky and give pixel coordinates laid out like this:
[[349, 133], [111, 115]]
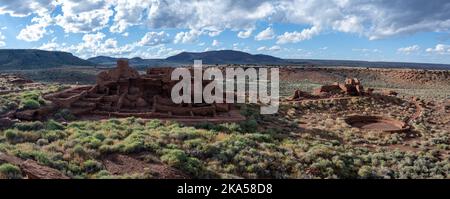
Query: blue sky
[[374, 30]]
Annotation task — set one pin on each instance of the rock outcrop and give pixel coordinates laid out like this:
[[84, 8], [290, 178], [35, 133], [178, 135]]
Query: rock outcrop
[[352, 87], [31, 169]]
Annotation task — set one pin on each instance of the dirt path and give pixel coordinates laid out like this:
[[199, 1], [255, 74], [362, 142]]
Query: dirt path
[[418, 113]]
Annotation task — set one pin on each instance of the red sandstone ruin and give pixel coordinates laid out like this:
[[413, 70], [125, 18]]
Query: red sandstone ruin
[[123, 92], [351, 87]]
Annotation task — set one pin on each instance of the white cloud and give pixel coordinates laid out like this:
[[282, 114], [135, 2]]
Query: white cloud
[[246, 33], [215, 43], [25, 8], [154, 38], [409, 49], [440, 49], [295, 37], [273, 48], [187, 37], [129, 13], [51, 46], [93, 45], [214, 33], [366, 50], [36, 31], [84, 16], [373, 19], [160, 51], [266, 34], [2, 38]]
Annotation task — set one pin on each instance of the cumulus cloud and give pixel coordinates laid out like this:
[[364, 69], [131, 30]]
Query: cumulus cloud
[[366, 50], [273, 48], [245, 33], [409, 49], [374, 19], [84, 16], [154, 38], [440, 49], [187, 37], [129, 13], [35, 31], [26, 7], [155, 52], [266, 34], [92, 45], [295, 37], [52, 45], [215, 43], [2, 38]]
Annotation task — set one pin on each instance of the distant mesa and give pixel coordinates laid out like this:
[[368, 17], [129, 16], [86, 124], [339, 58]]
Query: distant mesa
[[37, 59], [225, 57], [209, 57]]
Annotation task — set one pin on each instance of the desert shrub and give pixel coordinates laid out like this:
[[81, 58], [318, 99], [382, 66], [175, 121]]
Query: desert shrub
[[100, 136], [31, 100], [29, 104], [29, 126], [11, 105], [11, 134], [178, 159], [79, 150], [227, 127], [152, 124], [366, 172], [65, 114], [9, 171], [92, 166], [15, 136], [42, 142], [54, 125], [39, 156], [91, 142], [134, 143], [54, 135], [249, 125], [103, 174]]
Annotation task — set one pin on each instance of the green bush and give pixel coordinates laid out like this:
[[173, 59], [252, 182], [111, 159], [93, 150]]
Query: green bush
[[15, 136], [249, 126], [54, 125], [54, 135], [9, 171], [29, 104], [178, 159], [12, 105], [152, 124], [366, 172], [92, 166], [11, 134], [65, 114], [29, 126]]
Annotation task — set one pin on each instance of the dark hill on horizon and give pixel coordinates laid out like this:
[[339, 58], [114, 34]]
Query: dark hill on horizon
[[225, 57], [19, 59], [209, 57]]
